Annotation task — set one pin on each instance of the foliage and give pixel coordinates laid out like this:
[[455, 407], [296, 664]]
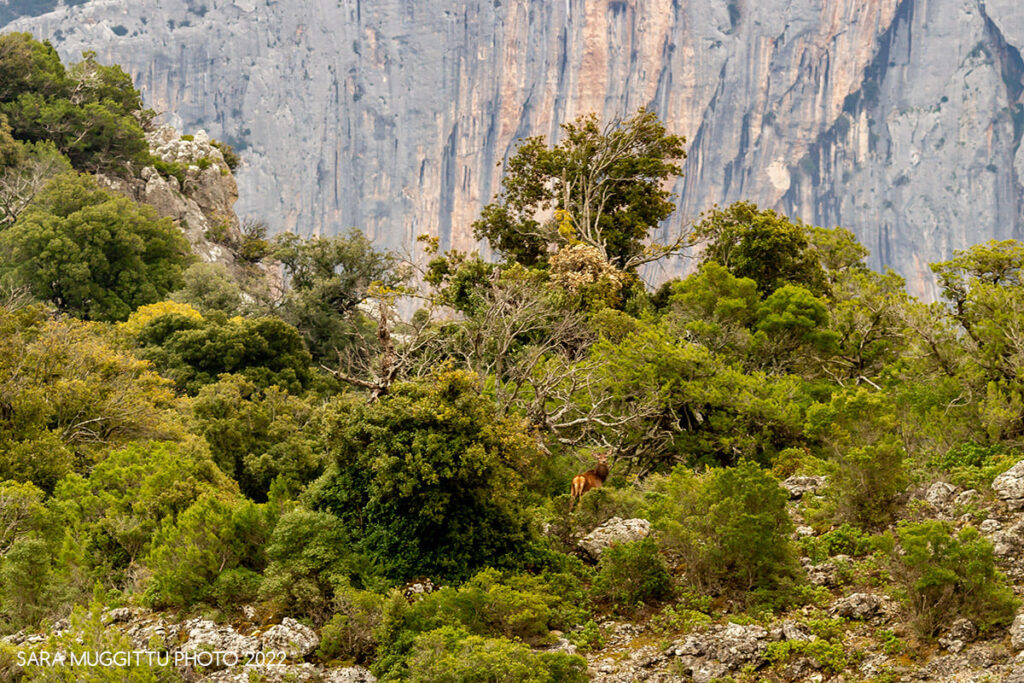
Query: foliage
[[256, 436], [632, 574], [858, 427], [115, 510], [729, 527], [311, 560], [670, 397], [714, 308], [92, 113], [973, 466], [450, 654], [760, 245], [605, 186], [948, 575], [90, 253], [210, 287], [327, 278], [351, 632], [194, 351], [213, 535], [425, 479], [66, 393]]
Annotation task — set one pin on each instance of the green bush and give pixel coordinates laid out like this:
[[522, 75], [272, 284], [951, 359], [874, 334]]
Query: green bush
[[426, 479], [633, 573], [972, 466], [845, 540], [215, 534], [859, 428], [234, 587], [947, 576], [256, 435], [451, 654], [91, 253], [351, 634], [310, 558], [195, 351], [729, 528]]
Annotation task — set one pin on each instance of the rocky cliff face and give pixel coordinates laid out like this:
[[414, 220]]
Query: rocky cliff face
[[900, 119]]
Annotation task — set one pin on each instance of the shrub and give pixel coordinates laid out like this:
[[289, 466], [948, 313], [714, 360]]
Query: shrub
[[946, 576], [859, 428], [215, 534], [972, 466], [729, 527], [351, 632], [235, 587], [195, 352], [451, 654], [633, 573], [310, 558], [425, 479], [256, 436]]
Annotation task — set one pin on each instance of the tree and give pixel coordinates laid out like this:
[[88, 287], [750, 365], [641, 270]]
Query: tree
[[761, 245], [256, 435], [67, 395], [604, 185], [426, 478], [92, 113], [194, 350], [93, 254], [729, 527], [327, 278]]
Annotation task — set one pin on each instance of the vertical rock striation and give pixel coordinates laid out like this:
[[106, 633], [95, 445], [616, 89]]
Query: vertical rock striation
[[900, 119]]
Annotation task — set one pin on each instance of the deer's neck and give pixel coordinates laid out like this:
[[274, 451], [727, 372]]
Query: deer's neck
[[601, 471]]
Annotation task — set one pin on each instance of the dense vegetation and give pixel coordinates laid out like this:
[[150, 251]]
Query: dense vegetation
[[168, 439]]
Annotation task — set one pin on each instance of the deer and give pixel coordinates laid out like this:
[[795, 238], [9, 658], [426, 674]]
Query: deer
[[591, 479]]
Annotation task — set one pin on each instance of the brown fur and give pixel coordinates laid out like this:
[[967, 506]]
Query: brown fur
[[591, 479]]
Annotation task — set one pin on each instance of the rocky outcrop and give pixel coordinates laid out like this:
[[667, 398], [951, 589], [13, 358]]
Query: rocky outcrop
[[614, 532], [290, 637], [859, 606], [721, 651], [899, 119], [799, 486], [1009, 486]]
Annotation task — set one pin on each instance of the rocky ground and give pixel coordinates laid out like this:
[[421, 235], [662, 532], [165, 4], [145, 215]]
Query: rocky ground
[[860, 635]]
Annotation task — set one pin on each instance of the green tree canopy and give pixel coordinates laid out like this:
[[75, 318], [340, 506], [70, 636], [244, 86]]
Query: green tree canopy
[[761, 245], [426, 479], [195, 351], [91, 112], [606, 187], [91, 253]]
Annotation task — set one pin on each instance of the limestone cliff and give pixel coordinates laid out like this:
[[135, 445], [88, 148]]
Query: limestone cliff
[[900, 119]]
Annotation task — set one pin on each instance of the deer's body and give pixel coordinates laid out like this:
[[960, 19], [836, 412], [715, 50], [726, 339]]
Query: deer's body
[[591, 479]]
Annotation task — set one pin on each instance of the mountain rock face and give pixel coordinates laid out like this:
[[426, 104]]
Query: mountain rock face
[[900, 119]]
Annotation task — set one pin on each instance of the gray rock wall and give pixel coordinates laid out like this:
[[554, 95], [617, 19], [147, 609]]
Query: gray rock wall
[[900, 119]]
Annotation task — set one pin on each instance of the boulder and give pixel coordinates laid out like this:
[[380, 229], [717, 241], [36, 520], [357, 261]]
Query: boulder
[[858, 606], [1017, 632], [614, 532], [940, 495], [959, 634], [1009, 486], [204, 635], [798, 486], [290, 637], [721, 651]]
